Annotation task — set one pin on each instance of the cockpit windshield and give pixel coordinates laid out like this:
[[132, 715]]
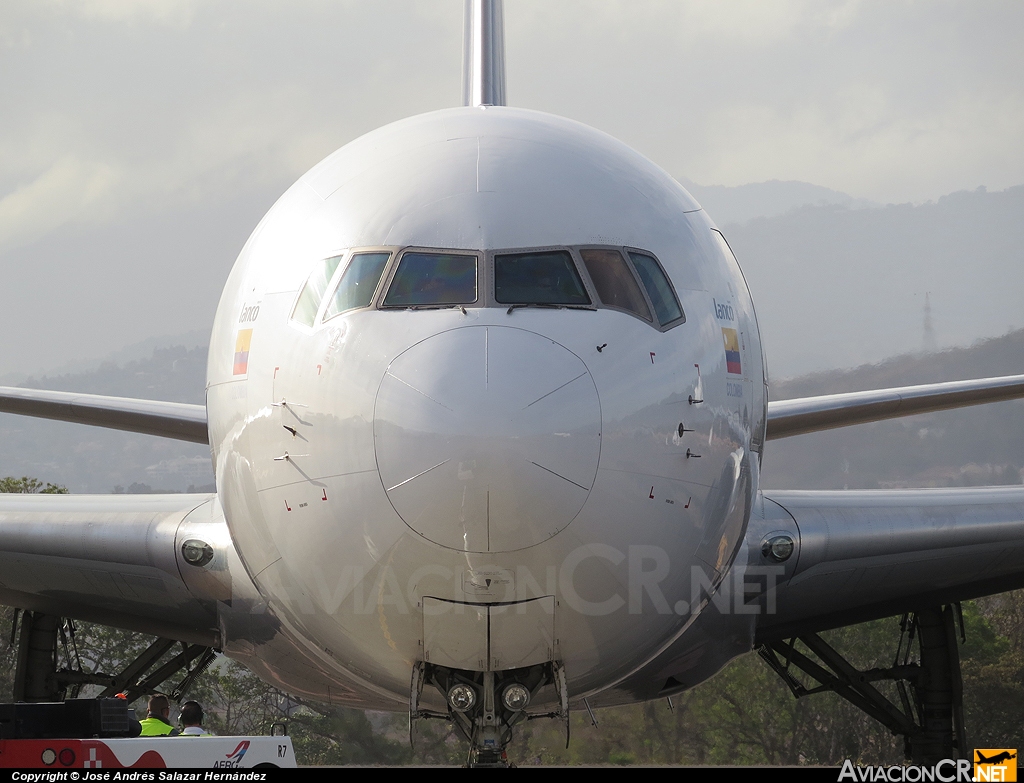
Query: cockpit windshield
[[358, 283], [658, 288], [313, 291], [433, 280], [587, 277], [547, 277], [615, 283]]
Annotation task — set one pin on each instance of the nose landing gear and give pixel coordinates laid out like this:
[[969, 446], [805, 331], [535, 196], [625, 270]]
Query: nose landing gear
[[484, 707]]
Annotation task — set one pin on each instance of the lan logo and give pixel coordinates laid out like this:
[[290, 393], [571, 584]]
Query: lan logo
[[995, 764]]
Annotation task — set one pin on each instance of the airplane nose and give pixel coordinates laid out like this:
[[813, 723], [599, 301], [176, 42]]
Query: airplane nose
[[487, 438]]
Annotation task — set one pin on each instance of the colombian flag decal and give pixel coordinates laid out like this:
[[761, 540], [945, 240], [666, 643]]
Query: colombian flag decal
[[732, 351], [242, 351]]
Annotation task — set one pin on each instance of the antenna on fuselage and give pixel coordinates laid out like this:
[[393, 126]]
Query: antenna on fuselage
[[483, 58]]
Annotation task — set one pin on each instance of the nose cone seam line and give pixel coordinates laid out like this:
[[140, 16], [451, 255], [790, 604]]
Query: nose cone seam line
[[585, 489], [475, 486], [557, 389], [411, 478], [419, 391]]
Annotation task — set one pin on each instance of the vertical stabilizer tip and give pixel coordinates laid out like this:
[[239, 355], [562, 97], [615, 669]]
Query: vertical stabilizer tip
[[483, 59]]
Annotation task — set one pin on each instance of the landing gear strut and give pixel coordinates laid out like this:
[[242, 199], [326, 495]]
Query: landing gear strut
[[930, 716], [42, 637], [37, 658], [485, 706]]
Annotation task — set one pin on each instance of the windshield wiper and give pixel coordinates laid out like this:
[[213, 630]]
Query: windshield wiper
[[438, 307], [549, 306]]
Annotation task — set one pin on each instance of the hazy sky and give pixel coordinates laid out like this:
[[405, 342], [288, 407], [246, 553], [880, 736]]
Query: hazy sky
[[141, 141]]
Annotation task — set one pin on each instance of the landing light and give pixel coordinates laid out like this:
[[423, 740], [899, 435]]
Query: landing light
[[196, 552], [461, 697], [777, 548], [516, 697]]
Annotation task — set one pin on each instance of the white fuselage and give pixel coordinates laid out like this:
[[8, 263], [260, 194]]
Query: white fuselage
[[472, 485]]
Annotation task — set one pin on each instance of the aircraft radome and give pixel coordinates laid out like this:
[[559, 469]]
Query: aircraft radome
[[487, 406]]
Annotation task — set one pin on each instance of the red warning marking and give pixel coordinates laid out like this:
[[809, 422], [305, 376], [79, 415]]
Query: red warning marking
[[318, 369], [688, 501], [275, 371], [652, 357], [287, 506], [652, 493], [698, 371], [325, 494]]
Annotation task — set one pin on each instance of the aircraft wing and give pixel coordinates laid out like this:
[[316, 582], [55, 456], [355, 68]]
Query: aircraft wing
[[810, 414], [118, 560], [151, 417], [786, 418], [858, 555], [866, 554]]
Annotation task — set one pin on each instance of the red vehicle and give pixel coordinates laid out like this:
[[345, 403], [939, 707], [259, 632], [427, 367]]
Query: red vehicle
[[96, 734]]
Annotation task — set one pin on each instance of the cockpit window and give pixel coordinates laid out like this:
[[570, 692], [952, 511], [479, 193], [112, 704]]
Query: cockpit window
[[358, 283], [659, 290], [616, 286], [313, 291], [433, 280], [548, 277]]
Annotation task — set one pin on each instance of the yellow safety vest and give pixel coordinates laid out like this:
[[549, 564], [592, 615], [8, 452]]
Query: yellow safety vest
[[155, 727]]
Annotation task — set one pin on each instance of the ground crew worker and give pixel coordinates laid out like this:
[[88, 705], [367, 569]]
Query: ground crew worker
[[192, 720], [158, 723]]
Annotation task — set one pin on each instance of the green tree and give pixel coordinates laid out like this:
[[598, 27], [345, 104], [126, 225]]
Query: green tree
[[993, 672], [30, 486], [325, 735], [746, 715], [238, 702]]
